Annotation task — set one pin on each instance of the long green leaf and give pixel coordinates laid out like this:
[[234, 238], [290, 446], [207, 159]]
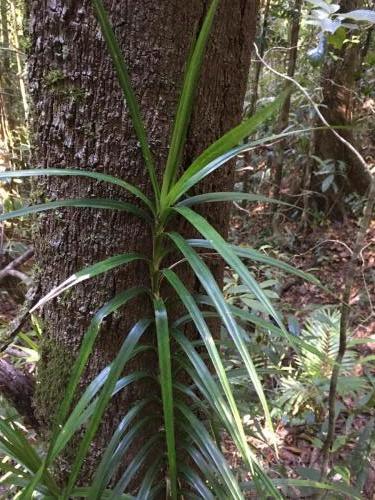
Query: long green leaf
[[72, 172], [212, 289], [197, 431], [209, 284], [264, 324], [227, 196], [89, 272], [85, 493], [85, 407], [149, 479], [78, 203], [103, 471], [225, 251], [250, 253], [134, 466], [222, 147], [221, 160], [136, 433], [205, 467], [186, 100], [87, 344], [196, 483], [86, 348], [164, 353], [12, 479], [18, 447], [27, 493], [233, 419], [116, 368], [124, 80], [342, 489]]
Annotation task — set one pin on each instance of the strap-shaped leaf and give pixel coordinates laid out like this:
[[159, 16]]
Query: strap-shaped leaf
[[124, 80], [250, 253], [86, 407], [149, 479], [205, 467], [198, 432], [135, 465], [225, 251], [186, 101], [78, 203], [72, 172], [222, 147], [221, 160], [86, 348], [165, 367], [85, 493], [230, 415], [14, 443], [227, 196], [14, 479], [115, 371], [209, 284], [27, 493], [262, 323], [104, 470], [344, 490], [196, 483], [88, 272]]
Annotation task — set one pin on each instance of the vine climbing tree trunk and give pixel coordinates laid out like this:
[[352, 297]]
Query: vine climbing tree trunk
[[80, 120]]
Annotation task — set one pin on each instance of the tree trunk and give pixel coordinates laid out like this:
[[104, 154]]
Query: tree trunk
[[80, 120], [338, 85], [283, 118], [258, 64], [251, 108]]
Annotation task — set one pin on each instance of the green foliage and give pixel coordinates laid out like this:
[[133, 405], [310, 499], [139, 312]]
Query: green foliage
[[304, 392], [189, 461]]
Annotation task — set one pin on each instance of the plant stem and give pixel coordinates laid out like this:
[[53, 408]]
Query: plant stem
[[345, 312]]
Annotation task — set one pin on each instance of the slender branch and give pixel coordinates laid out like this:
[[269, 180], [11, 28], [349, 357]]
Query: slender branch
[[16, 263], [16, 325], [317, 110], [18, 388], [345, 312]]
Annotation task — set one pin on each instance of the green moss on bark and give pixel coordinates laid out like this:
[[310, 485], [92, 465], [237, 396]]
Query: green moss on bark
[[53, 373]]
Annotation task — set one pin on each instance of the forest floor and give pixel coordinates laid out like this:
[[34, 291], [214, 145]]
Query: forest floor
[[323, 250]]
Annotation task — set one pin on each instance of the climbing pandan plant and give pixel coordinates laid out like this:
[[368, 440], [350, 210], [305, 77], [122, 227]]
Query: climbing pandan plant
[[187, 460]]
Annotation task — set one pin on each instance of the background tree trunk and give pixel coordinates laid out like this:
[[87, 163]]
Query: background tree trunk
[[80, 120], [283, 118], [338, 86]]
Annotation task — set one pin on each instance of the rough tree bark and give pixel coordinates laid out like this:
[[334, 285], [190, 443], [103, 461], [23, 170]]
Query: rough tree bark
[[283, 118], [80, 120], [257, 71], [338, 85]]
